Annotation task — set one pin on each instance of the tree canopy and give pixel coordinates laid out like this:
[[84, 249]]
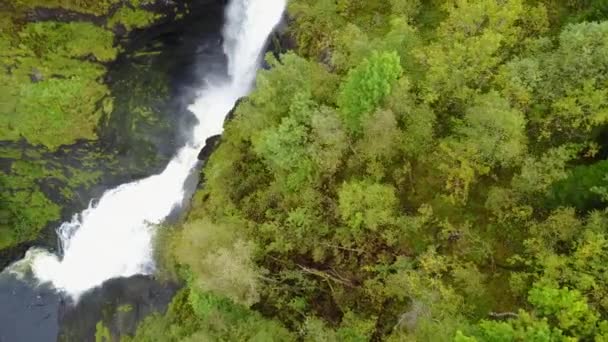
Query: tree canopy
[[412, 171]]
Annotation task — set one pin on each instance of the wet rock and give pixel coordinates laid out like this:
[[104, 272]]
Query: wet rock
[[232, 112], [62, 15], [210, 145], [119, 303], [282, 40], [120, 30], [10, 255]]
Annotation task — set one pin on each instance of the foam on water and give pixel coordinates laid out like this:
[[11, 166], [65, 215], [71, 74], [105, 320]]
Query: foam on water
[[113, 237]]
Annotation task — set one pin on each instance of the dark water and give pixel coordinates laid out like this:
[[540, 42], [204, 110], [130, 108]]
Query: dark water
[[27, 313], [187, 50], [39, 313]]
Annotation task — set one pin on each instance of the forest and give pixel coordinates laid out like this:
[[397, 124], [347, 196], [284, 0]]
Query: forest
[[411, 171]]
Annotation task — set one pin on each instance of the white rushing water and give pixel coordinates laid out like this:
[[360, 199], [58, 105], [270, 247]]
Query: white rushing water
[[113, 237]]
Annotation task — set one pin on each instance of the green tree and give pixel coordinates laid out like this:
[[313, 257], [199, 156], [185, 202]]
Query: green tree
[[417, 121], [365, 205], [537, 174], [469, 47], [496, 131], [366, 86], [567, 306], [578, 189], [379, 143], [568, 90], [218, 261], [329, 140]]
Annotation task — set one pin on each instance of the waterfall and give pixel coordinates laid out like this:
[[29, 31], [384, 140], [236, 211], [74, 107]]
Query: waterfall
[[113, 237]]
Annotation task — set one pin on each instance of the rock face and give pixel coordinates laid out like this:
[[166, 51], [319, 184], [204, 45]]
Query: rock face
[[62, 15], [119, 305], [213, 142], [282, 41], [210, 144]]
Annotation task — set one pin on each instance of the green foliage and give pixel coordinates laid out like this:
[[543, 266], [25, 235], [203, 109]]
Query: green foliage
[[537, 174], [417, 171], [355, 328], [353, 45], [195, 316], [315, 20], [125, 308], [524, 328], [568, 306], [568, 89], [132, 18], [63, 105], [578, 189], [102, 333], [568, 251], [93, 7], [218, 261], [408, 8], [51, 89], [86, 6], [25, 211], [380, 142], [33, 187], [469, 47], [494, 131], [559, 314], [418, 121], [366, 86], [24, 214], [284, 148], [73, 39], [53, 93], [366, 206], [55, 111]]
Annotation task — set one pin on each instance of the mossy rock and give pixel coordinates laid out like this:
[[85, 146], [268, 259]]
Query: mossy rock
[[59, 97], [95, 7]]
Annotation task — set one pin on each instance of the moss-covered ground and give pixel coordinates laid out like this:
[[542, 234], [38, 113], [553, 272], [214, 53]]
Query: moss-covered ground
[[56, 99]]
